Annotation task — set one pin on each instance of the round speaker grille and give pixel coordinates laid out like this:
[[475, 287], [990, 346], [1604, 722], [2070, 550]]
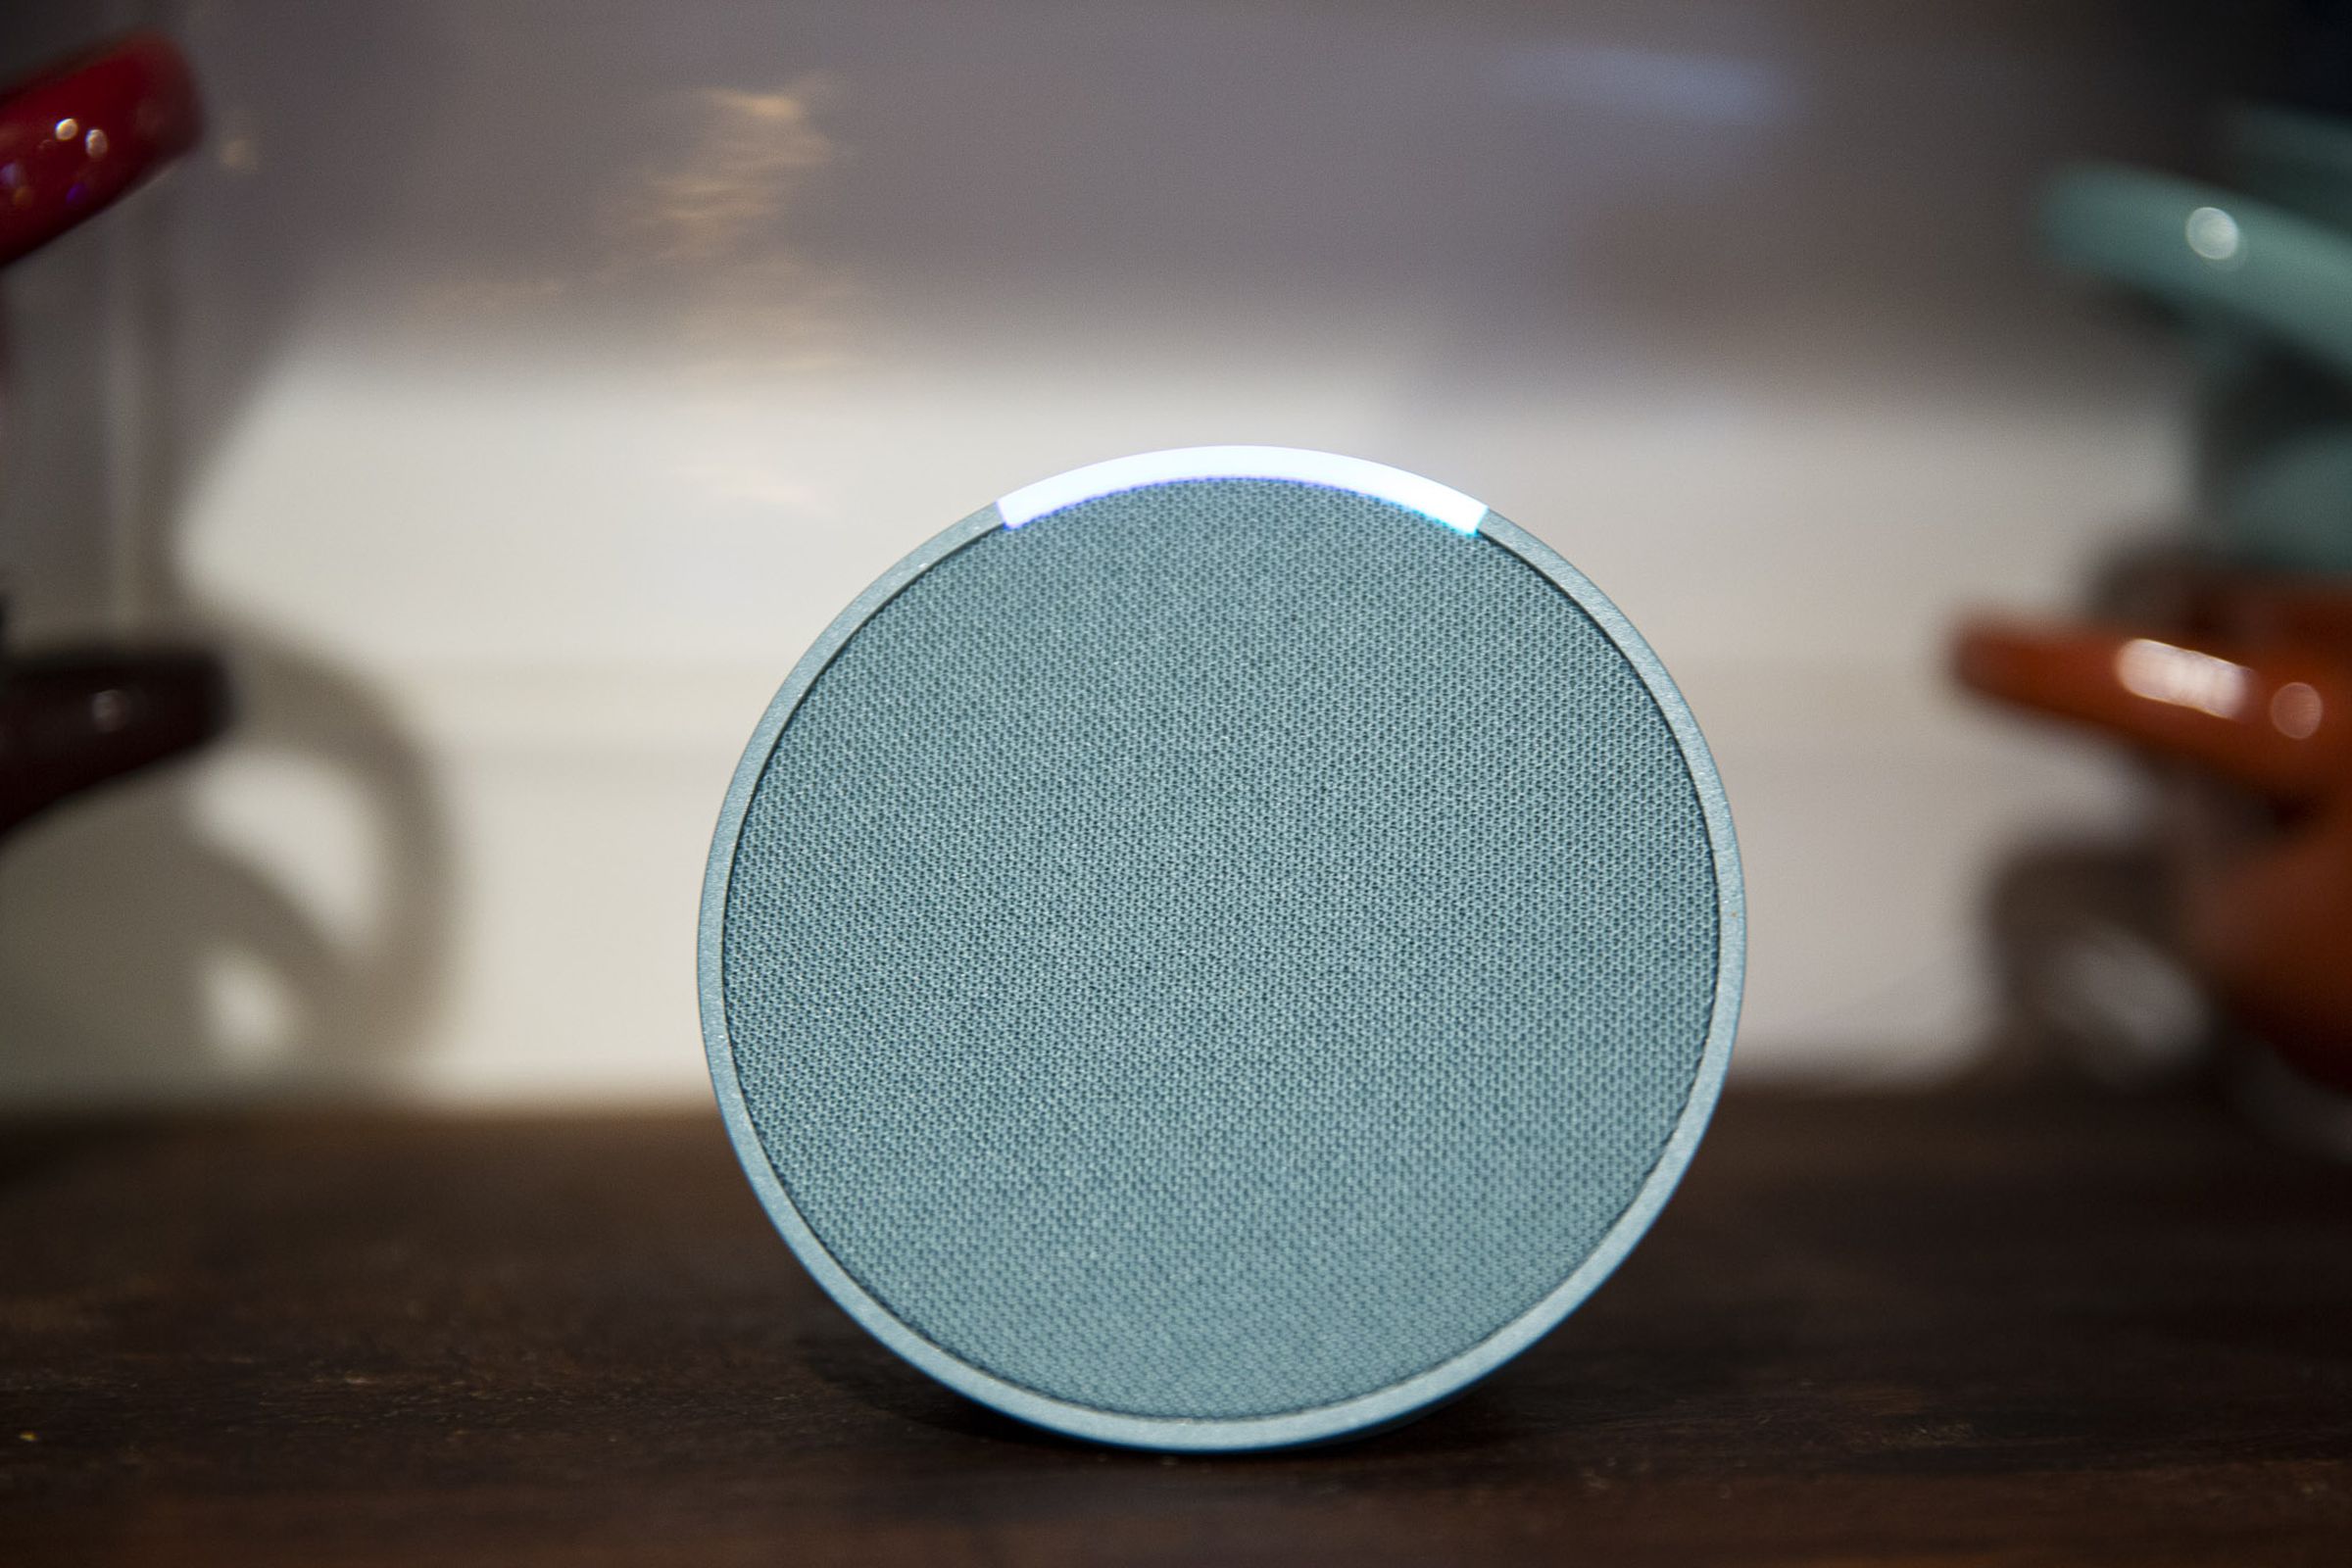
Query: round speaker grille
[[1221, 949]]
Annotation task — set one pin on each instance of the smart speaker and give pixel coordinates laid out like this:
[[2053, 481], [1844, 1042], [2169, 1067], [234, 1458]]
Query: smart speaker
[[1221, 949]]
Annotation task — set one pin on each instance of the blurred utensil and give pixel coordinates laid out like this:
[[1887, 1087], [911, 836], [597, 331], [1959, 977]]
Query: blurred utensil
[[2250, 687], [74, 138], [2210, 253], [81, 133], [2267, 294]]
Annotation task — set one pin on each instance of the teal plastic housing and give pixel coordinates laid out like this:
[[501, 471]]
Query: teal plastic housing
[[1225, 961]]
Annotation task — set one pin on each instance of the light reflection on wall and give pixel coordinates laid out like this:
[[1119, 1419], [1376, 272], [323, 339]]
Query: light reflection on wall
[[697, 240], [728, 190]]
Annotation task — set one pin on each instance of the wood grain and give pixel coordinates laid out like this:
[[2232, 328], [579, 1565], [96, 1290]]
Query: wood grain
[[1943, 1330]]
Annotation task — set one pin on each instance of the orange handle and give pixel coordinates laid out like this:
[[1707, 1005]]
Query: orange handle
[[2278, 719]]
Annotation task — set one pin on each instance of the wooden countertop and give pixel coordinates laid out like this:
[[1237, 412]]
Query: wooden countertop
[[1940, 1330]]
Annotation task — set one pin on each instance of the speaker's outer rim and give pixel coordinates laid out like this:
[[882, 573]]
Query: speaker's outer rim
[[1387, 1407]]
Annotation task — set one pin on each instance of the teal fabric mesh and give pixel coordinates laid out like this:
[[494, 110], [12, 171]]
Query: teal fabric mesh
[[1221, 949]]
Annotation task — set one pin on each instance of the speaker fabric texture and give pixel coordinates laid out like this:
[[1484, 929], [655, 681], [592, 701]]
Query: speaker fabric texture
[[1221, 949]]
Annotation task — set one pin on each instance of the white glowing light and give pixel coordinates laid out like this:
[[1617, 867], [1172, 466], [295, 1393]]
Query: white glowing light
[[2181, 677], [2213, 234], [1431, 498]]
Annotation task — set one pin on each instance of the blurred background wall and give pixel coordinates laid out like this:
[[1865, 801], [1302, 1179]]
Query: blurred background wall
[[518, 388]]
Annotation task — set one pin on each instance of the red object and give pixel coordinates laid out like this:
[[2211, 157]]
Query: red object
[[74, 139], [2246, 684], [76, 136]]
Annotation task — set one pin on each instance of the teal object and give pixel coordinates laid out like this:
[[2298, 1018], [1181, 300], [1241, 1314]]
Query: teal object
[[2266, 295], [2211, 253], [1225, 963]]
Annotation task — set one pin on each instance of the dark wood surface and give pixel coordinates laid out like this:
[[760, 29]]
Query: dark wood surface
[[1946, 1330]]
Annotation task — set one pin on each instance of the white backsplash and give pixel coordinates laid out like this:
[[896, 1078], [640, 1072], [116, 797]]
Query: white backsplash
[[525, 386]]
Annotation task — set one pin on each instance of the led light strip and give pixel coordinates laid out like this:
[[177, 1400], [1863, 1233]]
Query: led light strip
[[1431, 498]]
